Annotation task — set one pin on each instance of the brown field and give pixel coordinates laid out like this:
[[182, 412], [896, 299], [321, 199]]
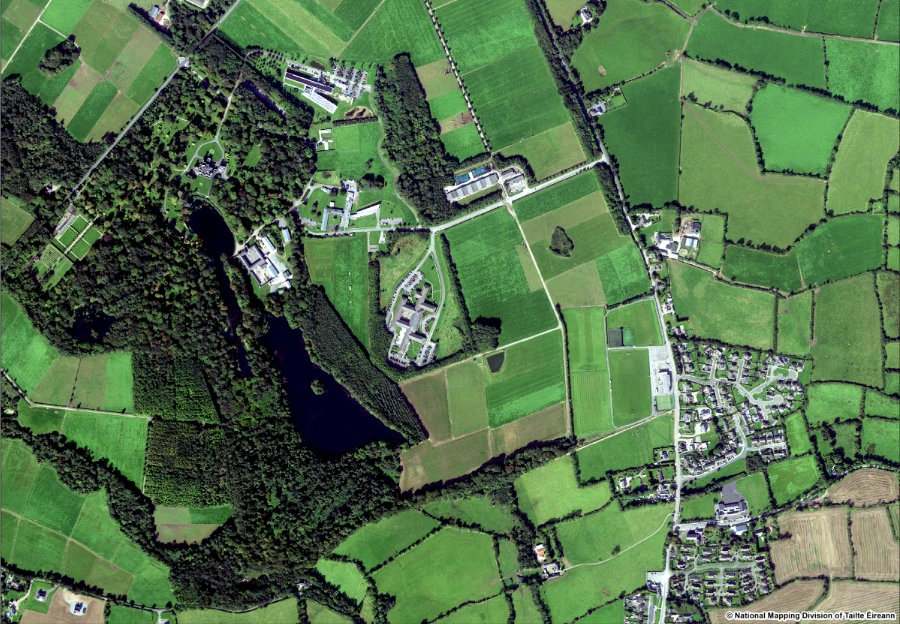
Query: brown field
[[456, 122], [59, 611], [819, 544], [427, 462], [855, 596], [547, 424], [797, 596], [428, 394], [190, 533], [865, 487], [435, 81], [578, 287], [877, 554]]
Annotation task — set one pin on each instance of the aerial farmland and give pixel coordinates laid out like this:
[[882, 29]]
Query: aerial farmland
[[447, 311]]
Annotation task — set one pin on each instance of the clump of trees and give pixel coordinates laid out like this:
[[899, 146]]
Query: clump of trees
[[412, 140], [60, 57], [560, 243]]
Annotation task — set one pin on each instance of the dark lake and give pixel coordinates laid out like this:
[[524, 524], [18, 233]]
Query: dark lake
[[91, 324], [217, 239], [332, 423]]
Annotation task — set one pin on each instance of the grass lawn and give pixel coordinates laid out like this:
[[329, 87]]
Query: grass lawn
[[756, 491], [799, 60], [878, 404], [630, 381], [797, 130], [727, 313], [595, 537], [477, 510], [588, 371], [373, 544], [483, 248], [792, 477], [26, 354], [717, 86], [341, 265], [641, 317], [631, 39], [795, 324], [857, 176], [13, 221], [284, 611], [848, 332], [797, 435], [126, 615], [700, 507], [530, 379], [720, 171], [629, 449], [830, 402], [552, 491], [346, 576], [468, 572], [644, 137]]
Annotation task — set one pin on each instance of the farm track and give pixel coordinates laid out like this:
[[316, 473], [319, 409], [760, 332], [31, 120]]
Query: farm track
[[360, 29], [797, 33]]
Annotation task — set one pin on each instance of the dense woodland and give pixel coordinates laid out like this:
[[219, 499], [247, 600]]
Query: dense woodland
[[58, 58], [412, 140]]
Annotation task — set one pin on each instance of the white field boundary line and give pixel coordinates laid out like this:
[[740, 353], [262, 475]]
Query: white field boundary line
[[38, 19]]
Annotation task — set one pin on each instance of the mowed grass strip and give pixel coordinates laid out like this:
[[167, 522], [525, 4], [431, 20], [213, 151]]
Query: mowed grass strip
[[466, 398], [552, 491], [797, 130], [847, 328], [773, 208], [868, 143], [631, 39], [727, 313], [588, 370], [798, 60], [630, 381], [468, 572], [644, 137], [373, 544], [629, 449], [531, 379]]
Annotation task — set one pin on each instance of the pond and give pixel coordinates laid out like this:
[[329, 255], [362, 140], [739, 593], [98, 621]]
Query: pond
[[217, 239], [91, 324], [333, 422], [495, 361]]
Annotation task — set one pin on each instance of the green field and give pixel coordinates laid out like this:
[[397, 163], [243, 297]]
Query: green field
[[26, 354], [797, 130], [848, 332], [717, 310], [120, 439], [61, 531], [397, 26], [494, 610], [631, 39], [102, 381], [641, 317], [795, 324], [126, 615], [798, 60], [888, 28], [878, 404], [552, 491], [838, 17], [699, 507], [550, 199], [374, 544], [756, 491], [628, 449], [480, 511], [584, 588], [879, 437], [830, 402], [792, 477], [484, 248], [644, 137], [466, 400], [283, 611], [840, 248], [623, 274], [550, 151], [344, 575], [594, 537], [864, 71], [341, 265], [588, 371], [717, 86], [530, 379], [468, 572], [463, 142], [719, 147], [868, 143], [722, 474], [630, 381], [13, 221], [797, 435]]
